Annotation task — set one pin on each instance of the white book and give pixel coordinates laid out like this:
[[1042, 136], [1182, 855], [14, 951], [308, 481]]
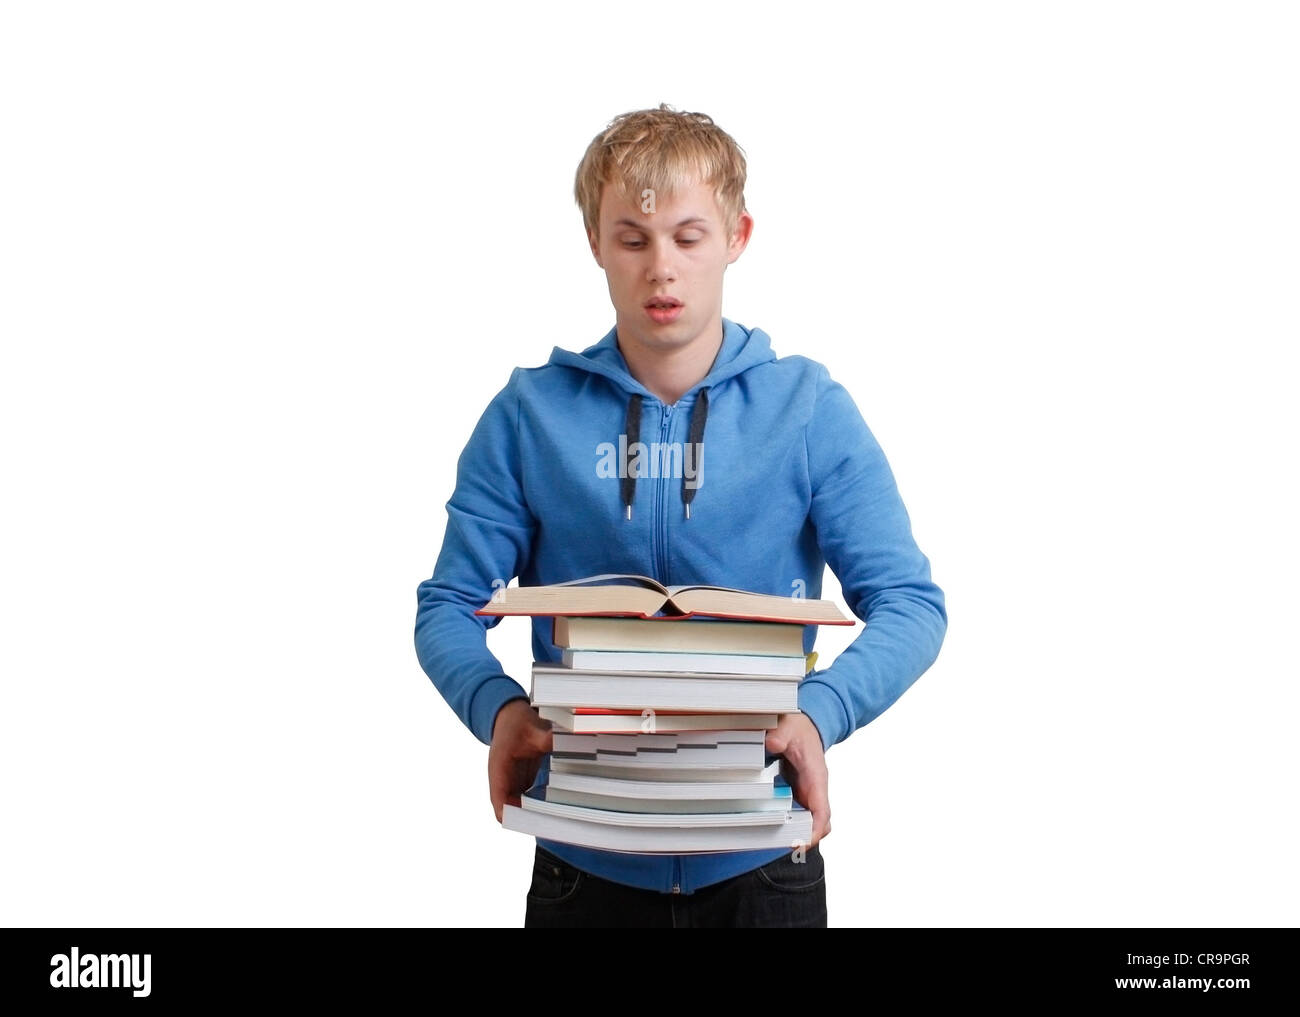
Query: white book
[[764, 785], [648, 820], [750, 665], [696, 635], [667, 741], [684, 759], [668, 677], [592, 768], [691, 750], [562, 686], [795, 831], [568, 718], [671, 806]]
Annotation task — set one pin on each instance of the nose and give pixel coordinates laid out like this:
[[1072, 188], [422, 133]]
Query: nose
[[662, 268]]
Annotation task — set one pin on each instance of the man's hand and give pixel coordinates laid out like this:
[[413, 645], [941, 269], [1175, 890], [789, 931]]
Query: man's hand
[[519, 740], [804, 767]]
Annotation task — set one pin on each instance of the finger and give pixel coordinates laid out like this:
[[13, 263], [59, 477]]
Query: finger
[[821, 821], [529, 775], [821, 815], [496, 789], [821, 826], [791, 776]]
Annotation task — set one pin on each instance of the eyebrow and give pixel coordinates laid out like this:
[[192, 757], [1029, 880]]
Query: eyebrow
[[685, 222]]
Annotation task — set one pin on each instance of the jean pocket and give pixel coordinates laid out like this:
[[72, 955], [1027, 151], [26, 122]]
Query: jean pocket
[[554, 879], [795, 876]]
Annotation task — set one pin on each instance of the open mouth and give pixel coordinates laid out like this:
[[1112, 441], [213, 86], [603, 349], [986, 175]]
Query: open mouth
[[663, 312]]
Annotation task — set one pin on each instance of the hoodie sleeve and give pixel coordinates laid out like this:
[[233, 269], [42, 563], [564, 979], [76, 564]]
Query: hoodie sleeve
[[489, 538], [865, 536]]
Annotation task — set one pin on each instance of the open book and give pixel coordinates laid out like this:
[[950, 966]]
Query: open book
[[643, 597]]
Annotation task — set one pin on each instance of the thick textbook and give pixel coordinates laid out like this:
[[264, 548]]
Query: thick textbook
[[662, 806], [702, 635], [659, 690], [615, 594], [587, 720], [768, 782], [683, 834], [687, 750], [745, 664], [718, 772]]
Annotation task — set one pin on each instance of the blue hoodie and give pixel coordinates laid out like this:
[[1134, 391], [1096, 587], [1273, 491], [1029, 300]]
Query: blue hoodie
[[788, 479]]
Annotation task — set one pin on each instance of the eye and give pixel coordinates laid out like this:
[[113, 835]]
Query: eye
[[633, 243]]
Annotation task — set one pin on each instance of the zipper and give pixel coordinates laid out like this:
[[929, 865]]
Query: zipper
[[660, 522], [660, 528]]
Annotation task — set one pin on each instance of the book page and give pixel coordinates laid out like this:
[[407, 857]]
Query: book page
[[613, 577], [672, 591], [727, 603], [575, 600]]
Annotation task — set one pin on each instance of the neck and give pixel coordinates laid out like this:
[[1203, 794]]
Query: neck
[[670, 373]]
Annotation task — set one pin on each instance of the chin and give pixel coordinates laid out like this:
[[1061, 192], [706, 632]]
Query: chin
[[664, 337], [670, 337]]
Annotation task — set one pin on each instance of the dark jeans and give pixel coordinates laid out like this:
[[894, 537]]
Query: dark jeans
[[783, 894]]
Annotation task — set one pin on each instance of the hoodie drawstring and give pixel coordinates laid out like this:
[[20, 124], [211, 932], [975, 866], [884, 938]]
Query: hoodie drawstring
[[632, 428], [699, 414], [627, 482]]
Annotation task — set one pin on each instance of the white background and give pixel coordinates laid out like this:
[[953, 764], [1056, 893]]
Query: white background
[[264, 264]]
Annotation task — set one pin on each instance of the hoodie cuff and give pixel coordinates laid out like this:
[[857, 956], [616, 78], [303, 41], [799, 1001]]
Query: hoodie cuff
[[823, 706], [487, 702]]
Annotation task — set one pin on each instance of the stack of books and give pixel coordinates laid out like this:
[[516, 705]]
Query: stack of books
[[660, 708]]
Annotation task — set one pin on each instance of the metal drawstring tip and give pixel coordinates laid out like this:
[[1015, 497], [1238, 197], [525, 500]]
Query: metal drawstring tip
[[629, 512], [688, 510]]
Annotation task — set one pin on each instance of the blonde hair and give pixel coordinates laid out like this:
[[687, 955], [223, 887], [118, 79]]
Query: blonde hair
[[661, 150]]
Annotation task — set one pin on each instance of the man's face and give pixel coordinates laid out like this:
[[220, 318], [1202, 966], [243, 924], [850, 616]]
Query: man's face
[[678, 252]]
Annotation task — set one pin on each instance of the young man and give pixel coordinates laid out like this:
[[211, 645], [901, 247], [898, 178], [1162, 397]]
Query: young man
[[795, 481]]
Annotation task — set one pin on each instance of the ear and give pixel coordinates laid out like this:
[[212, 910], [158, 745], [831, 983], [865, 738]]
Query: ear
[[594, 243], [740, 238]]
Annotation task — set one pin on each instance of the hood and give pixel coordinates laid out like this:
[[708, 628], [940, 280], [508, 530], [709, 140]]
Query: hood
[[742, 348]]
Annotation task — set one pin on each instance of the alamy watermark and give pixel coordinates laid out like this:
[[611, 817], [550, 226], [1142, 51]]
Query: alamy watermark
[[674, 460], [73, 970]]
